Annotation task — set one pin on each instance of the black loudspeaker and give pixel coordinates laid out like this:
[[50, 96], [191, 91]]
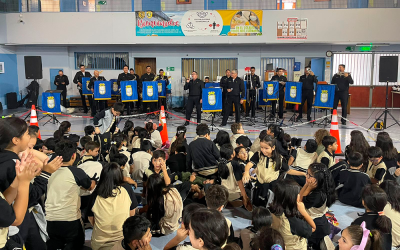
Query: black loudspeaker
[[33, 67], [388, 68], [12, 100]]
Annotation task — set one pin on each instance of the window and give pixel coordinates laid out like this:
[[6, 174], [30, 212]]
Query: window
[[99, 60], [357, 64], [211, 67], [282, 62]]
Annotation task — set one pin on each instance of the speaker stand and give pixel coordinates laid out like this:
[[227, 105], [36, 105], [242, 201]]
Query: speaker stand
[[385, 112]]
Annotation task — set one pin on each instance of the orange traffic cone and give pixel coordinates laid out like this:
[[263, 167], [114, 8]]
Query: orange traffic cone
[[164, 132], [34, 120], [335, 131]]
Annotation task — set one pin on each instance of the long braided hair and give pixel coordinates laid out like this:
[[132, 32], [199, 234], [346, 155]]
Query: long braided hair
[[325, 185]]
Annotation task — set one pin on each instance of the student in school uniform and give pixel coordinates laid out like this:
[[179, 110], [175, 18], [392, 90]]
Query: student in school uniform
[[118, 146], [327, 157], [260, 217], [221, 138], [256, 144], [178, 140], [158, 166], [392, 208], [62, 205], [63, 131], [376, 166], [269, 165], [141, 160], [136, 232], [352, 181], [177, 161], [113, 202], [88, 162], [216, 198], [318, 194], [290, 216], [301, 158], [164, 205], [374, 201], [203, 155], [128, 131], [319, 135], [237, 130], [183, 232], [389, 153], [154, 134]]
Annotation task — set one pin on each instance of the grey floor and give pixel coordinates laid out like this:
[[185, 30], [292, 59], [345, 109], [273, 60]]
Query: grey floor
[[240, 217]]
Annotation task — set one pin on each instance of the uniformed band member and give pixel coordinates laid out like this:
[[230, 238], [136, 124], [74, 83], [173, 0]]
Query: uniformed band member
[[206, 79], [61, 81], [282, 82], [78, 80], [101, 103], [224, 82], [161, 76], [147, 77], [195, 87], [253, 83], [135, 76], [342, 80], [235, 92], [125, 76], [307, 92]]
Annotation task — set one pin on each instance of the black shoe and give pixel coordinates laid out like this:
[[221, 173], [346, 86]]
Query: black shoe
[[186, 124], [298, 119], [343, 122], [308, 118], [222, 125]]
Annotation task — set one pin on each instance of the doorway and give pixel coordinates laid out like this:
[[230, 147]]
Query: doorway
[[317, 66], [142, 63]]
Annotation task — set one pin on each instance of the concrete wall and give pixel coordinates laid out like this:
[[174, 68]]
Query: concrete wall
[[325, 26]]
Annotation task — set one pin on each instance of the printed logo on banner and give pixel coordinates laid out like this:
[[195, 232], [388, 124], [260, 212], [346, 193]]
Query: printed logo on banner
[[324, 96], [50, 102], [159, 87], [150, 91], [270, 89], [149, 14], [102, 88], [115, 87], [87, 85], [128, 90], [212, 100], [293, 91]]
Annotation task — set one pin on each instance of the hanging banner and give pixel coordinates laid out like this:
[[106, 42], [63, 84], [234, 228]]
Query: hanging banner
[[102, 90], [199, 23], [162, 90], [271, 91], [114, 87], [129, 91], [150, 92], [51, 102], [212, 100], [293, 92], [85, 86], [325, 96]]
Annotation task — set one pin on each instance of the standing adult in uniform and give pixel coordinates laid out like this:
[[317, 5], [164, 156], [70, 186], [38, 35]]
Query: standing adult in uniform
[[78, 80], [195, 87], [342, 80], [61, 81], [147, 77], [253, 83], [101, 103], [161, 76], [307, 92], [126, 76], [235, 92], [224, 82], [282, 82], [139, 89]]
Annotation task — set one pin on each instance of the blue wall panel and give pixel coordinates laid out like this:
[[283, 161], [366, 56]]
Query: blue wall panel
[[8, 80]]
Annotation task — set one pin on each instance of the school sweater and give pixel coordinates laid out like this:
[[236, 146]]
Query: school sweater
[[391, 166], [63, 193], [156, 137], [141, 161], [177, 163], [395, 218], [230, 183], [91, 167], [173, 207], [234, 138], [247, 235], [7, 169], [303, 159], [265, 168], [294, 231], [370, 219], [377, 171], [255, 146], [7, 218], [326, 158], [351, 186], [109, 215], [151, 171], [203, 156]]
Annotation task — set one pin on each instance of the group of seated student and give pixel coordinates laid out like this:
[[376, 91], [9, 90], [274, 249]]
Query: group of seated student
[[51, 190]]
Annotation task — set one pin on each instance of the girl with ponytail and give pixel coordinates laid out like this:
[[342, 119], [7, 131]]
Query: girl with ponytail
[[374, 200], [208, 230], [142, 135], [62, 131], [154, 134], [128, 131], [357, 237], [318, 194], [275, 131], [178, 140]]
